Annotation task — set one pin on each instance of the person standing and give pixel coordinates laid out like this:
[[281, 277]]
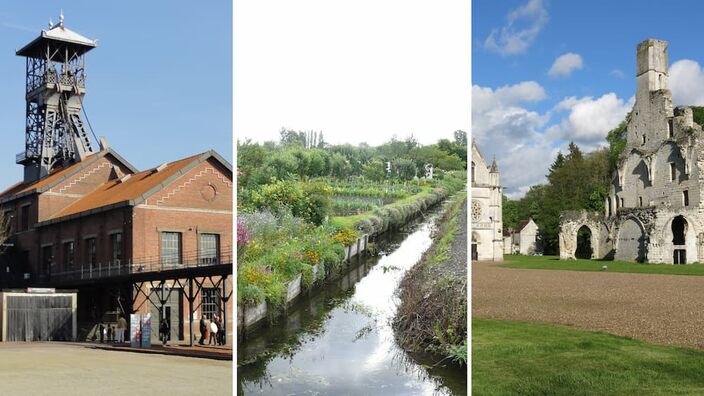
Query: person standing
[[203, 330], [213, 331], [221, 332], [165, 330], [121, 326]]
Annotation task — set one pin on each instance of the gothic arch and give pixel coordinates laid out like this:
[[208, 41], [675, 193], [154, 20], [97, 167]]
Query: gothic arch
[[687, 240], [571, 222], [631, 240]]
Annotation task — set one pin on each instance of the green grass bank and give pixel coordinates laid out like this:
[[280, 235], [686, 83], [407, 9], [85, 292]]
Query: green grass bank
[[515, 358], [554, 263]]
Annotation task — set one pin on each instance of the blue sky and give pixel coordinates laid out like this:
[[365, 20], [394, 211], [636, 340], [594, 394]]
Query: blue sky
[[527, 103], [159, 83]]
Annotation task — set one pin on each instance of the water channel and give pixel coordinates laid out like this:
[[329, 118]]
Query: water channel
[[339, 340]]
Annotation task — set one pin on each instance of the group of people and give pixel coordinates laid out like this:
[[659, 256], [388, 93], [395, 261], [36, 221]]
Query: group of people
[[112, 333], [212, 330]]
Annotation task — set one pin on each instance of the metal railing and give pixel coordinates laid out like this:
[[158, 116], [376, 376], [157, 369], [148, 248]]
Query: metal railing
[[39, 80], [149, 264]]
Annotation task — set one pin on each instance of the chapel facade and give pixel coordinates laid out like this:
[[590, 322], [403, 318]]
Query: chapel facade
[[487, 223]]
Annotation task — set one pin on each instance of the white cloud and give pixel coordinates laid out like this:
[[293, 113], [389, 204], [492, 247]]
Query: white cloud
[[565, 64], [522, 27], [504, 128], [687, 83], [526, 91], [526, 142], [618, 73], [589, 119]]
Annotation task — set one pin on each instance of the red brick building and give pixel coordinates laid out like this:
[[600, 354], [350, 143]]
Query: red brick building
[[92, 224]]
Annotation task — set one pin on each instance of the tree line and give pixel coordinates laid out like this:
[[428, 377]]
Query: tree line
[[574, 181], [305, 155]]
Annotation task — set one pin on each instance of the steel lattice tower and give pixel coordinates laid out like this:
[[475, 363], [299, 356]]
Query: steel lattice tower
[[56, 76]]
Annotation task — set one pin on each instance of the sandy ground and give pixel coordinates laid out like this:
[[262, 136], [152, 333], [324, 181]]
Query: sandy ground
[[69, 369], [667, 309]]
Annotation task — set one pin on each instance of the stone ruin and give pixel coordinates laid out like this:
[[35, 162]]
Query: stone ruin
[[655, 209]]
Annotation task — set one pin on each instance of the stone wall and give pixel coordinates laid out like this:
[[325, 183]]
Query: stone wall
[[572, 221]]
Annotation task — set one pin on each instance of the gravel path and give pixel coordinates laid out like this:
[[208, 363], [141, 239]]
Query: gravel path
[[666, 309], [458, 251], [456, 263]]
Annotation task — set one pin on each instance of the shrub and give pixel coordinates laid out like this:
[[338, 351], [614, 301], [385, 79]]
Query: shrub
[[316, 203], [345, 237], [307, 278], [309, 201], [366, 225], [249, 294], [260, 225]]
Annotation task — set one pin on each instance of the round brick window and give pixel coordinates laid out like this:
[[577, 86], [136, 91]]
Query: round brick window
[[208, 192]]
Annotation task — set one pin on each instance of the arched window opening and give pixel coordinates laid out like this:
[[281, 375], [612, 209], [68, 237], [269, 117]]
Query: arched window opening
[[584, 243], [679, 229]]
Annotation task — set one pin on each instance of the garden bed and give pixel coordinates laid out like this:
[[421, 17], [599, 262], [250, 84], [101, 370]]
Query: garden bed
[[250, 316]]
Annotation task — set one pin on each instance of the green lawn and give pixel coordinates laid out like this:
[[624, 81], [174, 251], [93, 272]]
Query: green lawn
[[514, 358], [554, 263]]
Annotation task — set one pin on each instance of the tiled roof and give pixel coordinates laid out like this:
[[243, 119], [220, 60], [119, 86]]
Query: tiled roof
[[56, 175], [59, 174], [117, 191]]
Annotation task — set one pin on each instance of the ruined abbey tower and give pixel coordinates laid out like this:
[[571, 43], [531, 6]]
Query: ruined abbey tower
[[654, 211]]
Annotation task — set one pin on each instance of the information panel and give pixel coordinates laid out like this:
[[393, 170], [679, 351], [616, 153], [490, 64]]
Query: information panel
[[147, 331], [135, 333]]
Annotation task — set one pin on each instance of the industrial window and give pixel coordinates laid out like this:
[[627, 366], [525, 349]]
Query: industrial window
[[170, 247], [69, 254], [209, 248], [91, 252], [685, 197], [210, 302], [116, 243], [673, 171], [24, 218]]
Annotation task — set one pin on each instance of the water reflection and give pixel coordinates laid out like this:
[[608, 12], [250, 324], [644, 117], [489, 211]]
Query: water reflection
[[339, 341]]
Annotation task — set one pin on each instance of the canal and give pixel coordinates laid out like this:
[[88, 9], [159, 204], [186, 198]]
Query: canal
[[339, 340]]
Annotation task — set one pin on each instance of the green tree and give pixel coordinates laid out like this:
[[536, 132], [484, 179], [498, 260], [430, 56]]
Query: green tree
[[292, 138], [405, 168], [509, 212], [453, 148], [575, 181], [374, 170], [339, 166], [617, 142]]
